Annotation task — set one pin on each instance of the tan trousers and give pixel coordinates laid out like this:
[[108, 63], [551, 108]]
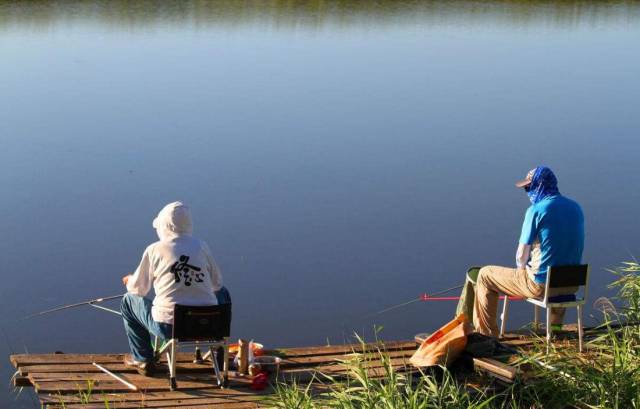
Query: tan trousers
[[494, 281]]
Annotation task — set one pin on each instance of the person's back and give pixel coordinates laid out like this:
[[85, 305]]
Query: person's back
[[559, 224], [182, 275]]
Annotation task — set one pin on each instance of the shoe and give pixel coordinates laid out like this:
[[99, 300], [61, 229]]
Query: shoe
[[143, 368]]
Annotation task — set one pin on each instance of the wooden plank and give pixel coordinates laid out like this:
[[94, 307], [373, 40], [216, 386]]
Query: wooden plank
[[114, 402], [119, 367], [21, 381], [230, 405], [507, 372], [62, 385], [226, 394], [115, 386], [63, 359], [343, 349], [29, 359], [320, 359]]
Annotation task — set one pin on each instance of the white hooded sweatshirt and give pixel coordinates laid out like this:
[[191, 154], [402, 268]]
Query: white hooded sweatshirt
[[179, 266]]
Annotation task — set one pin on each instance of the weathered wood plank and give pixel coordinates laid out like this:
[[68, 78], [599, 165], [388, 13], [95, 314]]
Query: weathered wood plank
[[225, 394], [21, 381], [316, 360], [115, 402], [115, 386], [343, 349], [228, 405], [19, 360], [189, 367], [497, 368]]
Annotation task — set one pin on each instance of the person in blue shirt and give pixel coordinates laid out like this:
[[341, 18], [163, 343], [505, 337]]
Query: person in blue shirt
[[552, 235]]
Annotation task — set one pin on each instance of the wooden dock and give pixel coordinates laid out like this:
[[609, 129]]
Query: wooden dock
[[72, 381]]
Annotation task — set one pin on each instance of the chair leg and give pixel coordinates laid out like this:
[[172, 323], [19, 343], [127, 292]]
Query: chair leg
[[156, 350], [171, 359], [503, 321], [197, 356], [225, 364], [214, 360], [548, 338], [536, 318], [580, 331]]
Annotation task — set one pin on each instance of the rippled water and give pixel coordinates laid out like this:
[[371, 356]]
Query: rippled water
[[339, 157]]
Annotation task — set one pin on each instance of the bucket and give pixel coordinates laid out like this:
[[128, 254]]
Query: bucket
[[472, 274]]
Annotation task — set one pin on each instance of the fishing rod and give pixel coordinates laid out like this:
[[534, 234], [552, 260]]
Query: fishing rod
[[92, 303], [423, 297], [430, 297]]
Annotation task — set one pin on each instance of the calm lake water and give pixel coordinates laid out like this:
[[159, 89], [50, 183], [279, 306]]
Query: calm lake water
[[339, 158]]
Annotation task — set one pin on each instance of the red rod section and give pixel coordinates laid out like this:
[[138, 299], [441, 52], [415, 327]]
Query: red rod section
[[426, 297]]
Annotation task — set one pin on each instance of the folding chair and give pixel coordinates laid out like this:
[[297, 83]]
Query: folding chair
[[199, 326], [557, 277]]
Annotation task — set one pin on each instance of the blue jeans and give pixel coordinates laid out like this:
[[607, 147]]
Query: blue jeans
[[139, 326]]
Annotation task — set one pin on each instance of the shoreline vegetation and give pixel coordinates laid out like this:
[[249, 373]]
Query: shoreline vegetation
[[283, 14], [607, 375]]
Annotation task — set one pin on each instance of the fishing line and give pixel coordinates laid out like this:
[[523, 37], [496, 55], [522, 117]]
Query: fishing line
[[422, 297]]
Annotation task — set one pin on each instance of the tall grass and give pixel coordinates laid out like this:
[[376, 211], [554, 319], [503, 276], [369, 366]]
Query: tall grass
[[393, 390], [607, 375]]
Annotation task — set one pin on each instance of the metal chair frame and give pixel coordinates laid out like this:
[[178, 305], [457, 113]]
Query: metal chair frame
[[579, 278], [172, 346]]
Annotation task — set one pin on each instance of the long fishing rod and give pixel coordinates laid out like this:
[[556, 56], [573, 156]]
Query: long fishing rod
[[422, 297], [430, 297], [92, 303]]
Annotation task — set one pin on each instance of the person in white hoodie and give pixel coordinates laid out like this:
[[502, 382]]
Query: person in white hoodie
[[181, 270]]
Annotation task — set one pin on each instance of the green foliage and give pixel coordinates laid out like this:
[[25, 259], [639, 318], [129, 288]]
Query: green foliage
[[628, 285], [392, 390]]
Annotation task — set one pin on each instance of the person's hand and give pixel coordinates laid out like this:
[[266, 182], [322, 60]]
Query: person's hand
[[125, 279]]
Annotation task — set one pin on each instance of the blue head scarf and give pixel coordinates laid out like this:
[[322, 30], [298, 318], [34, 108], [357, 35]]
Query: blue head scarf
[[543, 184]]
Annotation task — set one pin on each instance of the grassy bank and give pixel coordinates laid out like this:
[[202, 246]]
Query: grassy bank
[[606, 376]]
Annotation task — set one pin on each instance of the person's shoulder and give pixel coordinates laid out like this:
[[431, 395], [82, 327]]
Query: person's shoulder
[[153, 247], [564, 205], [569, 202], [201, 244]]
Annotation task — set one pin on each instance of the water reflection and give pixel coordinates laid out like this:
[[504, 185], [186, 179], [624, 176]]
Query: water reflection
[[318, 14], [341, 157]]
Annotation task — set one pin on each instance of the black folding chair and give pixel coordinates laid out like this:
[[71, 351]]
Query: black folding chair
[[200, 326]]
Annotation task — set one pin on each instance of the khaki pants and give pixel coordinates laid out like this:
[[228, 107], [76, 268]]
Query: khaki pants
[[494, 281]]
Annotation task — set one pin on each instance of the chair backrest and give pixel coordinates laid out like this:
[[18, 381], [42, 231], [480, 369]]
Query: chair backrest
[[568, 276], [201, 323]]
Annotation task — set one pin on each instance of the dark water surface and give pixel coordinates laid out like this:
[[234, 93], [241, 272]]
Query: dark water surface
[[338, 157]]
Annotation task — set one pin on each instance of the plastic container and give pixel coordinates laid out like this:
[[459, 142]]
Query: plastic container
[[268, 363]]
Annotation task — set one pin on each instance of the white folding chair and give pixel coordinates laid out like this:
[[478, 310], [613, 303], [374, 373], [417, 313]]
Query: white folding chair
[[558, 277], [199, 326]]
